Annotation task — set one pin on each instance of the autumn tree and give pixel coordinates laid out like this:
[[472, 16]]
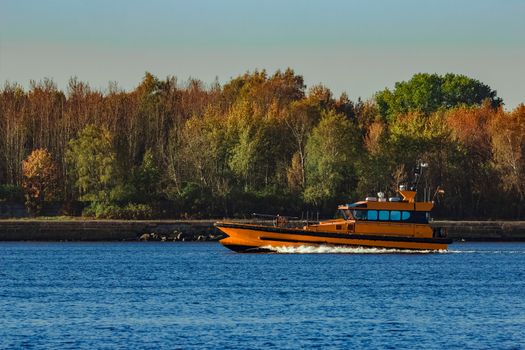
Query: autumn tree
[[259, 140], [14, 132], [321, 97], [262, 91], [473, 184], [508, 147], [300, 118], [40, 177], [375, 163]]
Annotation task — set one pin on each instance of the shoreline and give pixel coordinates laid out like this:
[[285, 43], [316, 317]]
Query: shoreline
[[75, 229]]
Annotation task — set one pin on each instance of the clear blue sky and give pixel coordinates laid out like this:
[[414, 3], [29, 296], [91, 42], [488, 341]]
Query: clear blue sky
[[354, 46]]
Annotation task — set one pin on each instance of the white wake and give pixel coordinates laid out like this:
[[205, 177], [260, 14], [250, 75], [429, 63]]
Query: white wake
[[329, 249]]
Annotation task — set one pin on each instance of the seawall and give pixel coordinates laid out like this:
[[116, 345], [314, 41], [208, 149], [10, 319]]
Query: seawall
[[484, 231], [107, 230], [194, 230]]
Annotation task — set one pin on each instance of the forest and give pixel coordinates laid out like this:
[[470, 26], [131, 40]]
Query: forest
[[261, 143]]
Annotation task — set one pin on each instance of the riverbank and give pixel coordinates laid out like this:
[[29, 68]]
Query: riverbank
[[107, 230], [484, 231], [203, 230]]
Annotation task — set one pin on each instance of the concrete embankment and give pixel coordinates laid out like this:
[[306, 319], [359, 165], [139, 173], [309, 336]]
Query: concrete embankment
[[484, 231], [203, 230], [107, 230]]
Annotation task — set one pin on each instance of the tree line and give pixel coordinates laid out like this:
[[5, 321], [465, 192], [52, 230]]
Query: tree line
[[259, 143]]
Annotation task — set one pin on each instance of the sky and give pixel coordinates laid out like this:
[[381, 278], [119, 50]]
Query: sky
[[359, 47]]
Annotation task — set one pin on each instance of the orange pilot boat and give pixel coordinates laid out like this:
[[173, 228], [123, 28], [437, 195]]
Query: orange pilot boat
[[378, 222]]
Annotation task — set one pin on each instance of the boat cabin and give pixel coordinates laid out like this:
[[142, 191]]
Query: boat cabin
[[395, 209], [393, 216]]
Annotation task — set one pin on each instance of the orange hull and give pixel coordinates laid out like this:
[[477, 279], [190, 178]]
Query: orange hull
[[256, 238]]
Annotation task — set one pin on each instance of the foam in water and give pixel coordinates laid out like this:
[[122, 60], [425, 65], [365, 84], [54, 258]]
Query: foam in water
[[329, 249]]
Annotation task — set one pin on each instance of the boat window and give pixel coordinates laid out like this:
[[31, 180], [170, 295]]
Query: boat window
[[384, 215], [372, 215], [405, 215], [360, 214], [395, 215]]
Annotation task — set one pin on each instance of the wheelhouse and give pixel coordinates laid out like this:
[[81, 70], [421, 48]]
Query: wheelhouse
[[395, 210], [400, 216]]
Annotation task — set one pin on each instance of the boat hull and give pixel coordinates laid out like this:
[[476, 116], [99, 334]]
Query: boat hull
[[256, 238]]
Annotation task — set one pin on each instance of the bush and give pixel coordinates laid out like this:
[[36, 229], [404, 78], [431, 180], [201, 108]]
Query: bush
[[137, 211], [196, 201], [134, 211], [271, 201], [11, 193]]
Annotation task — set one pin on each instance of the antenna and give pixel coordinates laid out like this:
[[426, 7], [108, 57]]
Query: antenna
[[417, 174]]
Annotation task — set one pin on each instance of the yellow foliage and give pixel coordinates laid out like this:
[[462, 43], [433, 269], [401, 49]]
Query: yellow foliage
[[40, 175]]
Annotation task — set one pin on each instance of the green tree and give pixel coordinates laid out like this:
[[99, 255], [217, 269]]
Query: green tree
[[141, 185], [92, 163], [426, 93], [251, 150], [147, 178], [415, 137], [203, 149], [299, 119], [332, 151], [202, 157]]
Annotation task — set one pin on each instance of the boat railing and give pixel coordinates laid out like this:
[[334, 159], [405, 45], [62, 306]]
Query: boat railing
[[295, 223]]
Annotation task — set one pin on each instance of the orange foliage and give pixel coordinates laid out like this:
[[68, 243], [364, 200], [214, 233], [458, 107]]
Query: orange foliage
[[39, 178], [508, 142], [470, 127], [373, 137]]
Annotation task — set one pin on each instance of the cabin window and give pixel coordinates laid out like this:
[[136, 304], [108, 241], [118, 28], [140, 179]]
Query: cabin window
[[395, 215], [360, 214], [387, 215], [419, 217], [384, 215]]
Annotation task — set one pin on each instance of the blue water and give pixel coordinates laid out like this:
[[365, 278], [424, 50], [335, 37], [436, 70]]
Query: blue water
[[200, 295]]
